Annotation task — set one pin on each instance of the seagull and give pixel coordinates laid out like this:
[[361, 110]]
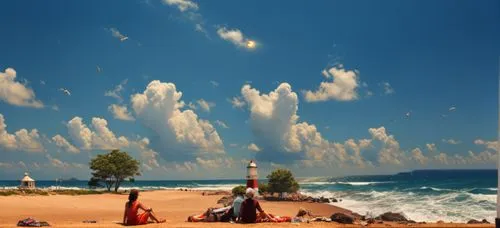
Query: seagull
[[65, 91], [444, 115], [452, 108], [98, 69], [407, 115], [123, 38]]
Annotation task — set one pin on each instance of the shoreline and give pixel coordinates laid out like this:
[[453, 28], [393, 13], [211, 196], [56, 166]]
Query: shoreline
[[175, 205]]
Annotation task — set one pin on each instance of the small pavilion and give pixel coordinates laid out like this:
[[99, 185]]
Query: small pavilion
[[27, 182]]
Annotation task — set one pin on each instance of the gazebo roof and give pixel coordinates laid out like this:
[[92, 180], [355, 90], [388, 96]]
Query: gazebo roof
[[27, 178]]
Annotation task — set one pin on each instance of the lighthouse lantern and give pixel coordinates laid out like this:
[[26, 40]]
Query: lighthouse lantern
[[252, 176]]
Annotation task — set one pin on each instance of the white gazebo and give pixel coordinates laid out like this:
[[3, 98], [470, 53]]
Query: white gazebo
[[27, 182]]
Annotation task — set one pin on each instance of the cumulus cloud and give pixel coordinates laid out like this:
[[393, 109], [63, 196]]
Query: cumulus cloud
[[222, 124], [236, 37], [237, 102], [120, 112], [62, 143], [418, 156], [451, 141], [253, 147], [343, 86], [279, 134], [116, 92], [204, 105], [100, 137], [390, 152], [159, 108], [431, 147], [22, 140], [493, 145], [182, 5], [387, 88], [15, 93]]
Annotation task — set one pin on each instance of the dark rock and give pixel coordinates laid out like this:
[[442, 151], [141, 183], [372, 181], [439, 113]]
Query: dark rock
[[485, 221], [473, 221], [411, 221], [333, 200], [371, 221], [440, 222], [393, 217], [342, 218], [324, 200]]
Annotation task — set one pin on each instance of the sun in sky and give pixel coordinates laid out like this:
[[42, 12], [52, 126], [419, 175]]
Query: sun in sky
[[251, 44]]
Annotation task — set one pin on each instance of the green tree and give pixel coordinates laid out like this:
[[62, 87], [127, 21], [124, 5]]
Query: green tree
[[263, 188], [239, 190], [112, 168], [282, 180]]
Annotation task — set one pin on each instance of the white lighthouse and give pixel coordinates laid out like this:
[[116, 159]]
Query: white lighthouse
[[252, 176]]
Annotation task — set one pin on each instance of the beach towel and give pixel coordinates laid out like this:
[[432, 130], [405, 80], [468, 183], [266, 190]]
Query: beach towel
[[30, 222]]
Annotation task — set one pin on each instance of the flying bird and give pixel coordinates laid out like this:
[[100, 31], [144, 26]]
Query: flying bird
[[65, 91], [98, 69], [407, 115], [452, 108], [443, 116], [123, 38]]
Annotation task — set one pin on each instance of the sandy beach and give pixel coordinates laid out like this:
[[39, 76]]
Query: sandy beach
[[175, 206]]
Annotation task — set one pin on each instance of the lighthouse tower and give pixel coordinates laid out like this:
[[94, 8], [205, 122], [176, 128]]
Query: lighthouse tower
[[252, 176]]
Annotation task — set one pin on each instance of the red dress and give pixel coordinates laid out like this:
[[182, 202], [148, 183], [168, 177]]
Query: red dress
[[133, 216]]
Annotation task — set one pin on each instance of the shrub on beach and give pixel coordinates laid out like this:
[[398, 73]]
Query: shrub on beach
[[282, 180], [239, 190]]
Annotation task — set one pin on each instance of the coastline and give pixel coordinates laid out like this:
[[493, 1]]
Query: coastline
[[174, 205]]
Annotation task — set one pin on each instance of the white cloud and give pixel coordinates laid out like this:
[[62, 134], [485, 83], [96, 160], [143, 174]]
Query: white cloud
[[387, 88], [204, 105], [61, 142], [15, 93], [275, 126], [182, 5], [211, 164], [116, 92], [237, 102], [418, 156], [22, 140], [100, 138], [390, 152], [342, 88], [118, 34], [120, 112], [451, 141], [431, 147], [236, 37], [253, 147], [214, 83], [493, 145], [221, 123], [56, 162], [158, 107]]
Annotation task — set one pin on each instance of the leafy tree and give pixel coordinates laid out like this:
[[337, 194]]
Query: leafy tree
[[94, 183], [112, 168], [282, 180], [239, 190], [263, 188]]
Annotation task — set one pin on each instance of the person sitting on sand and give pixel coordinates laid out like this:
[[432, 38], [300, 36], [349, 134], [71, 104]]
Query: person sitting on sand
[[237, 205], [131, 215], [249, 207]]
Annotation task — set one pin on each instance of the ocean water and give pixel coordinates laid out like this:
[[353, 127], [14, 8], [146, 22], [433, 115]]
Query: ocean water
[[425, 195]]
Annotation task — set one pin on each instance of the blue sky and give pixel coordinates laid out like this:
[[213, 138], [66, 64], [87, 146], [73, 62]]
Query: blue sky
[[406, 85]]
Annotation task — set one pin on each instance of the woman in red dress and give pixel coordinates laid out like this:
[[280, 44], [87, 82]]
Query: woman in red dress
[[131, 215]]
